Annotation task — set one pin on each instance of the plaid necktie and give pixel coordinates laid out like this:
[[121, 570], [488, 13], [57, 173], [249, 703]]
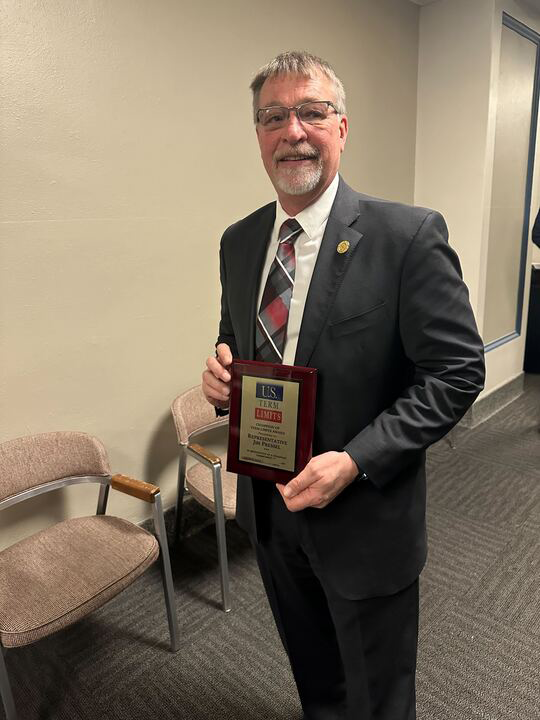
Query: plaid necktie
[[274, 311]]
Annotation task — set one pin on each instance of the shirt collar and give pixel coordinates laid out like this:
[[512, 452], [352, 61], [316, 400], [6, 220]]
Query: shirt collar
[[312, 217]]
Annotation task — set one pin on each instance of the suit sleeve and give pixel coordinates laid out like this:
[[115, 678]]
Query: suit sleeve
[[439, 335], [226, 332]]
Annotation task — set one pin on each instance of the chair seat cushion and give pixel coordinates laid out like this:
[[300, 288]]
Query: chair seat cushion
[[57, 576], [200, 485]]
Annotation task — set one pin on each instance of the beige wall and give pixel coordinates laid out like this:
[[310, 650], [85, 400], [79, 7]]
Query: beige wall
[[457, 104], [453, 103], [127, 148], [506, 361], [530, 16], [517, 71]]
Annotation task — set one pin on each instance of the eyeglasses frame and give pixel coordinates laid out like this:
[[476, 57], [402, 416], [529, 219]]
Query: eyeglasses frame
[[296, 109]]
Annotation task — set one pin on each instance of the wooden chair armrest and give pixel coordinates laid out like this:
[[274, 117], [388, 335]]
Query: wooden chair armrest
[[203, 455], [136, 488]]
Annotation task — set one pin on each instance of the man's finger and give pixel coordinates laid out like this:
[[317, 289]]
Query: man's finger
[[213, 388], [218, 370], [214, 384], [224, 354], [293, 504], [305, 498], [299, 483]]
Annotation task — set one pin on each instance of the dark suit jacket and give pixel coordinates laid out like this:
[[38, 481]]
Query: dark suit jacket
[[535, 234], [389, 327]]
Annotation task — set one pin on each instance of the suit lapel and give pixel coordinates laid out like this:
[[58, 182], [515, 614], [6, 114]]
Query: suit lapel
[[329, 270], [254, 253]]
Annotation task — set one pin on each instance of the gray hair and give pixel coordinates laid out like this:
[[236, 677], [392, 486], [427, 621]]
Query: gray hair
[[297, 63]]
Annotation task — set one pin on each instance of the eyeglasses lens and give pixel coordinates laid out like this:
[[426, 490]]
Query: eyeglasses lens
[[312, 112]]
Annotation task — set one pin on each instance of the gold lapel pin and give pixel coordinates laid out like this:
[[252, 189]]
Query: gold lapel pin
[[343, 247]]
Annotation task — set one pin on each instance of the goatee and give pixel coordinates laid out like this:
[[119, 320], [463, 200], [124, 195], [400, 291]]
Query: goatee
[[300, 180]]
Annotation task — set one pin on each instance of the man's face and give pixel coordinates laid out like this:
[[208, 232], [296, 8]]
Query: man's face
[[301, 159]]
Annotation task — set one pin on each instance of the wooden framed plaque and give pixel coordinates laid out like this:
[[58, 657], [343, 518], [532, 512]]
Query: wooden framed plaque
[[271, 419]]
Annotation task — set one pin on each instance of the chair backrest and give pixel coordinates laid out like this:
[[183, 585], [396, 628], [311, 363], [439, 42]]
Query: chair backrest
[[30, 461], [193, 413]]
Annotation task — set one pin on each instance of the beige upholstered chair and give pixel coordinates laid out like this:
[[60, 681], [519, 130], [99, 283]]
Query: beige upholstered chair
[[207, 481], [60, 574]]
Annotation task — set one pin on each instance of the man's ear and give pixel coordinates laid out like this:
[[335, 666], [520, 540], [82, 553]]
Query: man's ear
[[343, 130]]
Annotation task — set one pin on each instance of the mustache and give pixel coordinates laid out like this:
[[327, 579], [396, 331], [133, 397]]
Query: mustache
[[299, 151]]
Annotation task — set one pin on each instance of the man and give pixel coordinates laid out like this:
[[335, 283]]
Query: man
[[375, 302]]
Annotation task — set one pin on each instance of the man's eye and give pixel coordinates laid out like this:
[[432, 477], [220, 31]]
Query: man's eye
[[312, 114], [273, 117]]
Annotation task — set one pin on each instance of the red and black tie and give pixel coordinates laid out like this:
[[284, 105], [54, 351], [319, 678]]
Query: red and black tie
[[273, 315]]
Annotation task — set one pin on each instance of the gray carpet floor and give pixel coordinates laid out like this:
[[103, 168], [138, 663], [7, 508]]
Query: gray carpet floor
[[479, 653]]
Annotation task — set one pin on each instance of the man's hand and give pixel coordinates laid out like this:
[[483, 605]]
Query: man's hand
[[324, 477], [216, 379]]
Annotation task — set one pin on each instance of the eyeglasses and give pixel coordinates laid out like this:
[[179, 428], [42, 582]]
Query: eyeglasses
[[312, 113]]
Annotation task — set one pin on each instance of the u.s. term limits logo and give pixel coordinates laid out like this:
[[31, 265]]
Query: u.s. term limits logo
[[270, 397]]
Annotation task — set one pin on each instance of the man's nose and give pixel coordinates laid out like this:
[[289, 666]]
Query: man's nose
[[294, 131]]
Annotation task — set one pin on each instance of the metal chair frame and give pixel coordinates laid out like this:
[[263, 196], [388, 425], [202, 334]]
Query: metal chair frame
[[159, 526], [213, 462]]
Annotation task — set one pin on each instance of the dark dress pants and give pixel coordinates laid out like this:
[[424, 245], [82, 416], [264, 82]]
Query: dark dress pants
[[351, 659]]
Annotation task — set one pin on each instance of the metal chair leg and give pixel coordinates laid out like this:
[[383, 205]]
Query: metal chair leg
[[179, 496], [168, 588], [221, 538], [102, 499], [5, 688]]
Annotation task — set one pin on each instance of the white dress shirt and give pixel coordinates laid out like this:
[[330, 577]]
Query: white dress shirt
[[313, 220]]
